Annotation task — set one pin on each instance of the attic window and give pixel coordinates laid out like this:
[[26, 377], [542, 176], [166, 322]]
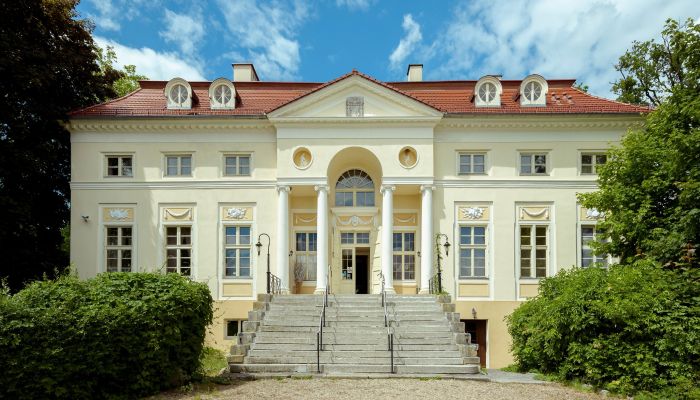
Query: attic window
[[222, 94], [178, 94], [355, 107], [533, 91], [487, 92]]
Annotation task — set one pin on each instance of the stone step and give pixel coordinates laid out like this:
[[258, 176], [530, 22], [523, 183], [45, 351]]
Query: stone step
[[340, 340], [435, 329], [333, 359], [356, 347], [357, 369], [380, 352]]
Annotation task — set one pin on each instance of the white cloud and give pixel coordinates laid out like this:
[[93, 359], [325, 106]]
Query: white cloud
[[268, 33], [185, 31], [556, 39], [106, 15], [155, 65], [407, 45], [355, 4]]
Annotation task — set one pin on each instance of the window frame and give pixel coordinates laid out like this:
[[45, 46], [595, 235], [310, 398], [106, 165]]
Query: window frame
[[403, 253], [594, 165], [307, 253], [354, 191], [471, 155], [224, 172], [533, 225], [119, 247], [532, 154], [178, 247], [472, 246], [237, 247], [120, 166], [179, 157], [238, 322], [603, 261]]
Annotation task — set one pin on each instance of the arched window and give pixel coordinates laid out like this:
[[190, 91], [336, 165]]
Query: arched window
[[354, 189]]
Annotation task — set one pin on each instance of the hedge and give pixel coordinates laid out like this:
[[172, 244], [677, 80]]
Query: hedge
[[628, 329], [119, 335]]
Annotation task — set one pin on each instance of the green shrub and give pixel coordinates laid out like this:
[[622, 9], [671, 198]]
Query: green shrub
[[119, 335], [628, 329]]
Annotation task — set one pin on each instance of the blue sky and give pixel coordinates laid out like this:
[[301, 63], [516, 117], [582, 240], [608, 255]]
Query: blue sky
[[323, 39]]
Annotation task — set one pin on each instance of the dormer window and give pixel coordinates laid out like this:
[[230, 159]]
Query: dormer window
[[488, 92], [533, 91], [178, 94], [222, 94]]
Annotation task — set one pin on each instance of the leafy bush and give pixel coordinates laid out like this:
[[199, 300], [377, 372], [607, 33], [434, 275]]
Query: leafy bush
[[629, 329], [119, 335]]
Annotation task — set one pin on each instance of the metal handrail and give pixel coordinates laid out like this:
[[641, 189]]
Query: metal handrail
[[387, 324], [274, 284], [322, 323], [435, 284]]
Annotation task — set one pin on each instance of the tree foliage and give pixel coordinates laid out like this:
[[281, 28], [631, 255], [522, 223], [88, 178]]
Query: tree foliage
[[116, 336], [126, 80], [47, 69], [650, 187]]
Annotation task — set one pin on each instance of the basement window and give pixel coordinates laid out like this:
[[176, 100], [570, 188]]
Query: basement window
[[233, 328]]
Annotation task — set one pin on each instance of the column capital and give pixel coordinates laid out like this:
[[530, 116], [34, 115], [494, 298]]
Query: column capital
[[284, 188], [384, 188], [423, 188], [321, 187]]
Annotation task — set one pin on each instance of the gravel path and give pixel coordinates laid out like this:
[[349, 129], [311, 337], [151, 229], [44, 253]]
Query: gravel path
[[330, 388]]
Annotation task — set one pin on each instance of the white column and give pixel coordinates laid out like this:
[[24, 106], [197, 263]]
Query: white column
[[426, 238], [388, 236], [322, 238], [282, 249]]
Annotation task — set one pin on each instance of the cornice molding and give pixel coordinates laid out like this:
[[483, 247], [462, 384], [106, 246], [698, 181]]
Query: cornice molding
[[550, 121], [155, 124], [415, 122], [267, 184], [519, 183]]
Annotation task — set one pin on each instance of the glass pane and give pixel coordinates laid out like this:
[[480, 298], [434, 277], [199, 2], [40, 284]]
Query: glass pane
[[479, 254], [524, 235], [541, 272], [126, 236], [230, 262], [231, 328], [586, 159], [601, 159], [409, 240], [397, 241], [171, 234], [478, 168], [112, 236], [244, 165], [540, 169], [126, 263], [171, 166], [126, 166], [301, 242], [244, 262], [525, 253], [244, 235], [186, 165], [397, 267], [541, 254], [231, 163], [465, 235], [540, 159], [312, 241], [525, 267], [586, 262], [185, 238], [185, 257], [347, 238], [362, 237], [231, 235], [586, 169], [479, 235], [112, 161], [525, 166], [171, 256], [112, 264], [185, 271], [478, 159]]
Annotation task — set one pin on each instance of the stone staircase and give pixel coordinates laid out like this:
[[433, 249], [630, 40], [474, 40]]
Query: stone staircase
[[280, 337]]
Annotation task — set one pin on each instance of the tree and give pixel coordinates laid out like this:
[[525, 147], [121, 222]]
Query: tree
[[125, 81], [47, 69], [650, 187]]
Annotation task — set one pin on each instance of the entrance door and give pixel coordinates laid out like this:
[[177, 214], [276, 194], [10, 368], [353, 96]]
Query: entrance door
[[477, 328], [362, 270]]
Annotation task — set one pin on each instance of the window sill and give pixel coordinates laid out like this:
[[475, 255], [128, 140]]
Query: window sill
[[237, 278], [523, 174], [531, 280], [474, 278]]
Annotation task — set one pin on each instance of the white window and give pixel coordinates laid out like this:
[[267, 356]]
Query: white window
[[237, 252], [590, 233], [346, 262], [404, 256], [178, 94], [487, 92], [472, 163], [534, 251], [533, 91], [178, 165], [591, 161], [178, 249], [237, 165], [306, 253], [354, 237], [472, 251], [233, 328], [354, 189], [118, 248], [119, 166], [533, 164]]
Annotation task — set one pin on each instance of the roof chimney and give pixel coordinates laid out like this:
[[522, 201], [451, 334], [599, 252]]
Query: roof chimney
[[414, 73], [244, 72]]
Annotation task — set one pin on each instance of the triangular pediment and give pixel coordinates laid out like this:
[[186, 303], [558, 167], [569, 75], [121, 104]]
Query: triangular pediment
[[379, 102]]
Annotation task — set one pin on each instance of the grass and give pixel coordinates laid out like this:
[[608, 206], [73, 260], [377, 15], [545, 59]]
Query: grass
[[212, 362]]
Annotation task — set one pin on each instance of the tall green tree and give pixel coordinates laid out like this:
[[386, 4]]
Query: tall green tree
[[47, 68], [126, 80], [650, 188]]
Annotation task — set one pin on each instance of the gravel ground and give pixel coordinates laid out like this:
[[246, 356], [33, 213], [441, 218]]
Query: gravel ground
[[330, 388]]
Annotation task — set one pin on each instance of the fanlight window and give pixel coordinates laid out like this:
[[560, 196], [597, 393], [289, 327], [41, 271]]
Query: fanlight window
[[222, 94], [354, 189], [532, 91], [487, 92], [178, 94]]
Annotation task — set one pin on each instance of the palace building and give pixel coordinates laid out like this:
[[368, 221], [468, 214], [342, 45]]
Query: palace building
[[474, 180]]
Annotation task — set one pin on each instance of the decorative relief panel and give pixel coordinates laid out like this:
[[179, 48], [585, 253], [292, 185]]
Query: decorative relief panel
[[473, 213], [305, 219], [408, 157], [534, 213], [591, 214], [355, 220], [118, 214], [405, 219], [302, 158], [233, 213], [177, 214]]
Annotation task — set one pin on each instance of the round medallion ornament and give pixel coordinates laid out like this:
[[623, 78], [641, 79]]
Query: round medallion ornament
[[408, 157], [302, 158]]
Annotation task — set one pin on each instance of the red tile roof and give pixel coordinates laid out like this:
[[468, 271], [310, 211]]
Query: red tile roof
[[256, 99]]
